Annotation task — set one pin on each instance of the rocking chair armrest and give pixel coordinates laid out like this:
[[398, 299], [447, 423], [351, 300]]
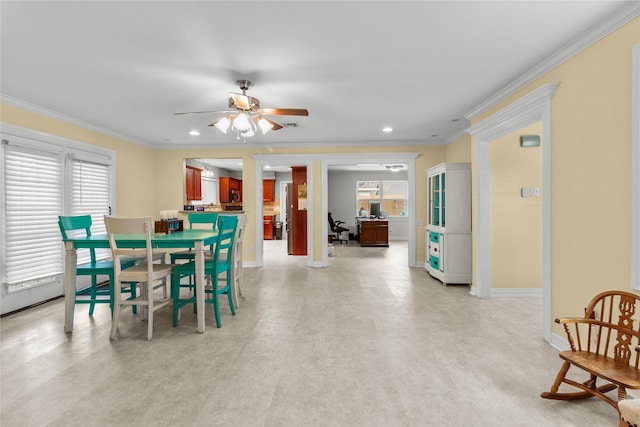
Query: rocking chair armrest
[[563, 320], [593, 322]]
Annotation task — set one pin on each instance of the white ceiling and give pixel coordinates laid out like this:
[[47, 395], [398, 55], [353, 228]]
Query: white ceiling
[[357, 66]]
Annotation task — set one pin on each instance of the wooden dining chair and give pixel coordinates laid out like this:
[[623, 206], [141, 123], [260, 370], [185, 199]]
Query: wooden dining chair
[[220, 264], [143, 273], [236, 265], [80, 225]]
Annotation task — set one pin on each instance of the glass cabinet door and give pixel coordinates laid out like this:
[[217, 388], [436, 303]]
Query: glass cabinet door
[[434, 199], [442, 199], [436, 190]]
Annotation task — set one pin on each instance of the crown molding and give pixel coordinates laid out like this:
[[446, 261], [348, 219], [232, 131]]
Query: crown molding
[[625, 14], [523, 111], [16, 102]]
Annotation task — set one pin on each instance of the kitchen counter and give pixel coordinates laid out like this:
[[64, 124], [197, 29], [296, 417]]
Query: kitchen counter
[[219, 212]]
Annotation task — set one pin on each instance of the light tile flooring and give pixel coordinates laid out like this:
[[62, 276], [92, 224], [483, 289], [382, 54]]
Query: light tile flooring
[[364, 342]]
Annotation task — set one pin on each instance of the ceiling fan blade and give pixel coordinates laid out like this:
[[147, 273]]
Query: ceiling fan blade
[[241, 101], [284, 111], [204, 112]]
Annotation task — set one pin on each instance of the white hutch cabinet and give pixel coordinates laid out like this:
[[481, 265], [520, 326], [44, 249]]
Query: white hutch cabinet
[[448, 231]]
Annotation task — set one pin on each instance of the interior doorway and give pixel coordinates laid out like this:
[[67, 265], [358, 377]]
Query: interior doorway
[[532, 108], [321, 259]]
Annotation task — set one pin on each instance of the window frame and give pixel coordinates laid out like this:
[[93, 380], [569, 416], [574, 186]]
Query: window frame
[[381, 196], [68, 151]]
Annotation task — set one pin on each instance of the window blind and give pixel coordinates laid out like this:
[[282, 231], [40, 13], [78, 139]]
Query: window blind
[[33, 201], [89, 194]]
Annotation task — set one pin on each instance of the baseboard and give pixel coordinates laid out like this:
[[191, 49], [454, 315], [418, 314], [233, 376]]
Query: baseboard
[[559, 342], [516, 292], [248, 264]]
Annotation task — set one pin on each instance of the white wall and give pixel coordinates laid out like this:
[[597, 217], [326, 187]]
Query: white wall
[[342, 198]]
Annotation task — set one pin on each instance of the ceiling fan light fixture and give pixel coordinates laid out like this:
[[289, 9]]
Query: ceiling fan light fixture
[[247, 117], [223, 124], [241, 122], [265, 125]]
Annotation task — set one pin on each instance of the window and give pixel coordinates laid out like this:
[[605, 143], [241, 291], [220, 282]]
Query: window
[[392, 196], [42, 179], [89, 194], [32, 201]]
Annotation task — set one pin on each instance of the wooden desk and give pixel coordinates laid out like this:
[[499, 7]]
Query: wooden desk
[[373, 232], [196, 239]]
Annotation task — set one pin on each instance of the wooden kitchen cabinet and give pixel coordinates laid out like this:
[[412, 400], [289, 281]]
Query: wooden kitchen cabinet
[[194, 183], [269, 221], [230, 189], [268, 190]]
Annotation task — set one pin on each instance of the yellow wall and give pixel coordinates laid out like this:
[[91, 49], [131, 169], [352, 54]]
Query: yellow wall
[[135, 164], [459, 150], [516, 222], [591, 176]]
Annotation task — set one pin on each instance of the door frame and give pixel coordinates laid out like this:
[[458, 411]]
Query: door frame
[[531, 108]]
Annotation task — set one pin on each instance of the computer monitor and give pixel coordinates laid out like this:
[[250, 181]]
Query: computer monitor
[[374, 209]]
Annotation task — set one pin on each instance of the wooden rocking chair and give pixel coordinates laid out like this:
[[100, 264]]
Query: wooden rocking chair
[[602, 344]]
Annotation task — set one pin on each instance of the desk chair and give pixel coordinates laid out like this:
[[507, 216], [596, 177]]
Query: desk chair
[[337, 229], [81, 225], [144, 272]]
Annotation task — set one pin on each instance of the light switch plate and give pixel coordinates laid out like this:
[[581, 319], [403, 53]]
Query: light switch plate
[[524, 192]]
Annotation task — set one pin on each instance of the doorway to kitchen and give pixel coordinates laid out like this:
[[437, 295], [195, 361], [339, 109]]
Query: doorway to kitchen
[[318, 256]]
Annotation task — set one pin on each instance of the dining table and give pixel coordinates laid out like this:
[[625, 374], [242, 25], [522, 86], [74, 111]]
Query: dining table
[[197, 240]]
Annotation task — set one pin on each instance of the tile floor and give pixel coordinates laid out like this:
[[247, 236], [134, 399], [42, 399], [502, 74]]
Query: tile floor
[[364, 342]]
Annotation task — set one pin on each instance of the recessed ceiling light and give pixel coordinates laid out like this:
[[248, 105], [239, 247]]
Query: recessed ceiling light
[[194, 133], [387, 129]]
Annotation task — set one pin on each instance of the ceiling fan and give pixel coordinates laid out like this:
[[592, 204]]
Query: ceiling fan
[[245, 115]]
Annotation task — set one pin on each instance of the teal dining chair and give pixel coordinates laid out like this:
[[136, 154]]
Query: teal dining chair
[[207, 218], [220, 263], [80, 225]]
